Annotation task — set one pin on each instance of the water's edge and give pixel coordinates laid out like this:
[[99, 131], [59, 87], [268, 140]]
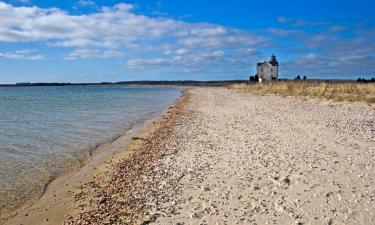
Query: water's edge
[[92, 156]]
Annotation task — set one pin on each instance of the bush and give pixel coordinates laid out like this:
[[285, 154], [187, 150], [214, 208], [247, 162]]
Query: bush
[[256, 78], [372, 80]]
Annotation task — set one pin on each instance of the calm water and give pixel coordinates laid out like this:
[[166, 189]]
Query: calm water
[[43, 130]]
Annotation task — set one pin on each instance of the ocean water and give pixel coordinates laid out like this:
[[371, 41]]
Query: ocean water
[[45, 130]]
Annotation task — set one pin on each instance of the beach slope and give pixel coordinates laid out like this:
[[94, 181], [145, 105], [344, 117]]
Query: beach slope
[[220, 156], [243, 159]]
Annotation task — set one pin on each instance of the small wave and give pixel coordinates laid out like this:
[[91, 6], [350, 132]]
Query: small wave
[[64, 128], [11, 150], [83, 155]]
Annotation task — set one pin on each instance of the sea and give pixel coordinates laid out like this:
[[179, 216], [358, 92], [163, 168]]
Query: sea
[[46, 131]]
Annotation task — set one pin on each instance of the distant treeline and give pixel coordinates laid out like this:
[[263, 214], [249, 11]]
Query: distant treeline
[[363, 80], [178, 82]]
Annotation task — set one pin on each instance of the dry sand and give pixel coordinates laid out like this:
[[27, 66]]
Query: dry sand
[[224, 157], [243, 159]]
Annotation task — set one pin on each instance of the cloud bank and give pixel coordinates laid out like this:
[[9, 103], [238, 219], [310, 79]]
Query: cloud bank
[[145, 42]]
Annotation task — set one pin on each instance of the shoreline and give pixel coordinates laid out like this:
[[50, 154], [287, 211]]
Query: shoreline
[[37, 211], [222, 156], [228, 157], [123, 184]]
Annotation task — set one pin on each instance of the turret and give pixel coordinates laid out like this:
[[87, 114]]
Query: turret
[[273, 61]]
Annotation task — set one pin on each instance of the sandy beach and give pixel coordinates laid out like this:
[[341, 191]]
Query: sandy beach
[[243, 159], [219, 156]]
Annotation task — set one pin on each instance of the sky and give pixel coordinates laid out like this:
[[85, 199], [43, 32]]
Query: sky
[[109, 40]]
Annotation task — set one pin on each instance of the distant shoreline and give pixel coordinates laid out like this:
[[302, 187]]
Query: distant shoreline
[[149, 82], [177, 82]]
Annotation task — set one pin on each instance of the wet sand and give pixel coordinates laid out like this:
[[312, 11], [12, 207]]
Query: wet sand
[[65, 197], [224, 157]]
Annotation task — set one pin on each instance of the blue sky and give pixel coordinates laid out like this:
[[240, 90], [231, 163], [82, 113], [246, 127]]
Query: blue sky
[[108, 40]]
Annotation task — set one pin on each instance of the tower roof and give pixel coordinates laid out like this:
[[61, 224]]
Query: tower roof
[[273, 61]]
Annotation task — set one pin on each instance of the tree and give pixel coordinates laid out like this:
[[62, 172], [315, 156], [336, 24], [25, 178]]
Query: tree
[[304, 78], [359, 80], [298, 77], [251, 78]]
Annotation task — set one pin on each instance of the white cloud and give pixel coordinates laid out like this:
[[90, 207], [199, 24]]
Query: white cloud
[[93, 53], [222, 41], [317, 41], [311, 56], [247, 51], [112, 24], [216, 54], [119, 31], [302, 23], [86, 3], [182, 51], [337, 28], [143, 63], [115, 28], [29, 54], [182, 57], [283, 20], [36, 57], [24, 1], [329, 65], [202, 57], [283, 32], [209, 31]]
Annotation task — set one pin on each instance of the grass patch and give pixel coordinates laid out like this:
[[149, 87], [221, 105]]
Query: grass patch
[[350, 91]]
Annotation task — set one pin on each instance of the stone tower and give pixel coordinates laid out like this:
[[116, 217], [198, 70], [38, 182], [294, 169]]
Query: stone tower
[[269, 69]]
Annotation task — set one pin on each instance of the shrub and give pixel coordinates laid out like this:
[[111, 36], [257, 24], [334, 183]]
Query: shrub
[[256, 78]]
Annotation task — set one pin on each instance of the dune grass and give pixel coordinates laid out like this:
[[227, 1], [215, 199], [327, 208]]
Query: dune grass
[[348, 91]]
